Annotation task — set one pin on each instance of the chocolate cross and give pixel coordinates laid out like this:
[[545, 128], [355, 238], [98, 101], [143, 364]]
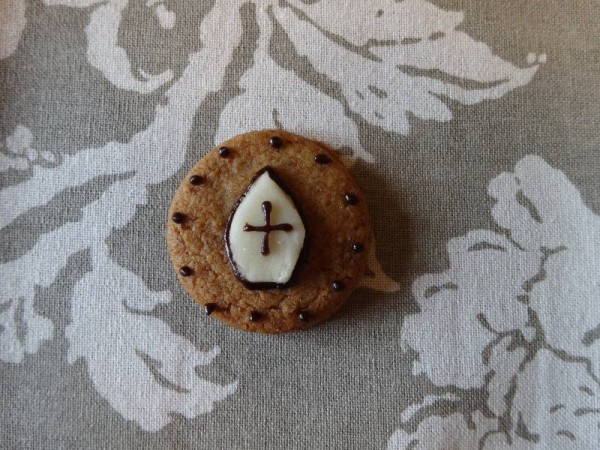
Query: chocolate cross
[[267, 227]]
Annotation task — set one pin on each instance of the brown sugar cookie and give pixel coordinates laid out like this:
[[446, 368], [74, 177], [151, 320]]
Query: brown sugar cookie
[[269, 232]]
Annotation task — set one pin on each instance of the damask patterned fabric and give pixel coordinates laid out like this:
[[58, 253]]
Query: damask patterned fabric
[[472, 126]]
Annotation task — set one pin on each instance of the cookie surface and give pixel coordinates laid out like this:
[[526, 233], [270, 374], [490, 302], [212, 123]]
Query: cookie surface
[[320, 210]]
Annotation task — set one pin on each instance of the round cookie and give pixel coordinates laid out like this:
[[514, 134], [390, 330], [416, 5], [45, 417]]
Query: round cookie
[[269, 232]]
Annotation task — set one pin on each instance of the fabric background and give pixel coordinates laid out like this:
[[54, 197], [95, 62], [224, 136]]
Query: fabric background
[[473, 128]]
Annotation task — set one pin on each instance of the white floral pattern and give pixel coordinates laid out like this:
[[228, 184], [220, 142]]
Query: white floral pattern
[[12, 24], [18, 154], [400, 59], [515, 317]]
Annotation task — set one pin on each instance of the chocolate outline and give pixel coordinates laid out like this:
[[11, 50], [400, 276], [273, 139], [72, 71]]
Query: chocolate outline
[[264, 285]]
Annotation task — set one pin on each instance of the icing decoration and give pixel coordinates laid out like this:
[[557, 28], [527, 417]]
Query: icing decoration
[[303, 316], [209, 308], [337, 285], [357, 247], [265, 235], [350, 198], [275, 142], [185, 271], [178, 218], [196, 180], [322, 158], [267, 207], [254, 316]]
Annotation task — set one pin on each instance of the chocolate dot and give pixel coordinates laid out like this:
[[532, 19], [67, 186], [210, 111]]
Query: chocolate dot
[[275, 142], [185, 271], [337, 285], [254, 316], [223, 152], [178, 217], [321, 158], [196, 180], [357, 247], [350, 199], [209, 308], [303, 316]]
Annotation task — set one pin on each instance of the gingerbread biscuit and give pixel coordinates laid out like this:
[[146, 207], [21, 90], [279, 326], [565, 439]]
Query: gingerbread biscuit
[[269, 232]]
